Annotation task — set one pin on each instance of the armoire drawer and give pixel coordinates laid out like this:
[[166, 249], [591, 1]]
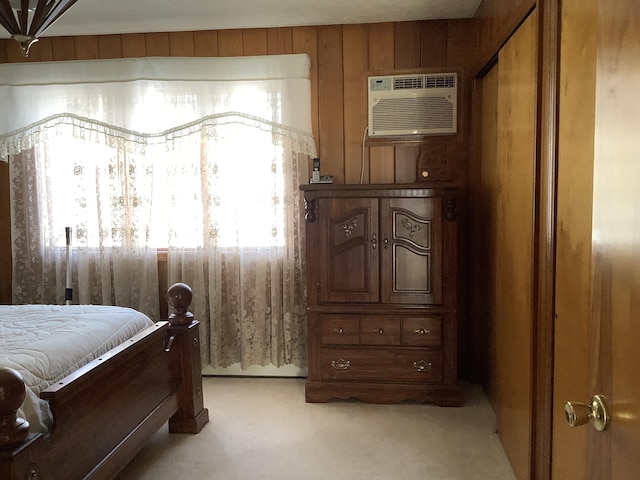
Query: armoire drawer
[[395, 365], [339, 329], [380, 330], [422, 331], [336, 329]]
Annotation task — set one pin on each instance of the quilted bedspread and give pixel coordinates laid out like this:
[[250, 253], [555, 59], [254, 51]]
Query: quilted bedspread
[[47, 342]]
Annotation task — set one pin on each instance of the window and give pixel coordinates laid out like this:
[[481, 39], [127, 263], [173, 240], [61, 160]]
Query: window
[[120, 143], [231, 190]]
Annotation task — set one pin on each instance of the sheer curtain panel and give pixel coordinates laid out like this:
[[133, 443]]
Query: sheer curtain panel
[[200, 158]]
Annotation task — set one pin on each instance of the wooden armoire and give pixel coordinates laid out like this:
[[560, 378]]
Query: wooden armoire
[[382, 276]]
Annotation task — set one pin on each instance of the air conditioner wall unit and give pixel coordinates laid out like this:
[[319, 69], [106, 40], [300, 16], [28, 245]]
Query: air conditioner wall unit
[[413, 104]]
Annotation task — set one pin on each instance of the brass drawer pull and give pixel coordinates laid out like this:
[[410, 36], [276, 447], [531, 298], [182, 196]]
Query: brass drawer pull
[[374, 241], [338, 330], [380, 331], [421, 331], [422, 366], [32, 475], [340, 364]]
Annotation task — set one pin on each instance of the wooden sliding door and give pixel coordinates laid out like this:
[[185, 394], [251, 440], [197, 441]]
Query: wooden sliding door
[[503, 246]]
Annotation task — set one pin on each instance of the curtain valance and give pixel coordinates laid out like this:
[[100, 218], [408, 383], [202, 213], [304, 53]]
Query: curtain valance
[[202, 129], [153, 101]]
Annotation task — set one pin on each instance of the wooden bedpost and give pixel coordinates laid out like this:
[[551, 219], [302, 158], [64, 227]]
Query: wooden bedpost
[[191, 416], [13, 429]]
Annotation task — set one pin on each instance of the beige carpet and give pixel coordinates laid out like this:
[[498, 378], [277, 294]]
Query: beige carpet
[[261, 428]]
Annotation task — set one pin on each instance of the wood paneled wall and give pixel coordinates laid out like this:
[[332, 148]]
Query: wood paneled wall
[[341, 56]]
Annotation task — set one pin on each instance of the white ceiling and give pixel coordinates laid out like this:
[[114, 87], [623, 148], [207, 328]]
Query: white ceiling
[[95, 17]]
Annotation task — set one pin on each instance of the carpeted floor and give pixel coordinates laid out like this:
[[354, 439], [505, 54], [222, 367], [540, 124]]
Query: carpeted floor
[[261, 428]]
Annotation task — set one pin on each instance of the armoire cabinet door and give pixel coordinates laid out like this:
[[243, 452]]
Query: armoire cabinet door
[[349, 250], [411, 253]]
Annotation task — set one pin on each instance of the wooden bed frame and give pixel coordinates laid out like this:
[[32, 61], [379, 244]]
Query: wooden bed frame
[[106, 411]]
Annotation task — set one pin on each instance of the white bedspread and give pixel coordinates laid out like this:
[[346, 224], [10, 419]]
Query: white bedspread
[[47, 342]]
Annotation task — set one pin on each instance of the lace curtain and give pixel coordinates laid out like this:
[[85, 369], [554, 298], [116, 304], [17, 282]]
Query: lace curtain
[[200, 158], [110, 267]]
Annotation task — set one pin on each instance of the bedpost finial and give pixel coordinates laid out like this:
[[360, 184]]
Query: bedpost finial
[[13, 429], [179, 296]]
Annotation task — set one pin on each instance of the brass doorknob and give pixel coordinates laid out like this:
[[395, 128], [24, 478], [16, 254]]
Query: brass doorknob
[[596, 411]]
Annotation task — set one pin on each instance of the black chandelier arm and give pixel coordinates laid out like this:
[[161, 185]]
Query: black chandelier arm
[[39, 17], [23, 15], [7, 18], [45, 14]]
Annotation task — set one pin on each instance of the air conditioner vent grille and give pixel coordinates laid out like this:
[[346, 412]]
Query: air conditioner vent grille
[[400, 83], [440, 81], [402, 114]]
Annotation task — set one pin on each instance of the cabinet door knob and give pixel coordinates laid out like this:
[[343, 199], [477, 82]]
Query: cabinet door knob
[[385, 241], [338, 330], [380, 331], [374, 241]]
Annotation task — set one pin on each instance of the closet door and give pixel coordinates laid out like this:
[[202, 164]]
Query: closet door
[[503, 242]]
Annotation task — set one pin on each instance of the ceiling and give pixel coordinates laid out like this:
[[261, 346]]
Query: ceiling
[[96, 17]]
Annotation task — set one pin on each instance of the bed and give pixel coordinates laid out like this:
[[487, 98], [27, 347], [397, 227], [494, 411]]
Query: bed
[[89, 412]]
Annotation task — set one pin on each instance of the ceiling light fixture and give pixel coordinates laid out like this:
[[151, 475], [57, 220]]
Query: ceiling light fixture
[[25, 20]]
